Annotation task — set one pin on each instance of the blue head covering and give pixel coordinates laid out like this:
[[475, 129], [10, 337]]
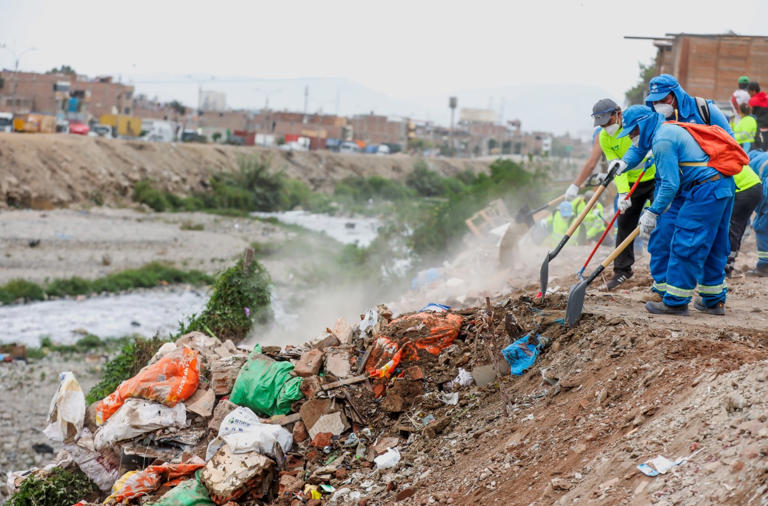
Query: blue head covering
[[566, 209], [664, 84], [644, 117]]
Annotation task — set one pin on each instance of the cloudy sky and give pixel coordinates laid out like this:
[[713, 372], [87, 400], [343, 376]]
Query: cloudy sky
[[406, 50]]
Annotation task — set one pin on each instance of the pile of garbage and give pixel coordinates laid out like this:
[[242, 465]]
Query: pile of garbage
[[206, 422]]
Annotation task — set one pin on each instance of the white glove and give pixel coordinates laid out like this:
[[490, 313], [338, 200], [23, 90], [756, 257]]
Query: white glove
[[600, 176], [543, 223], [624, 203], [596, 213], [647, 222], [618, 162], [571, 192]]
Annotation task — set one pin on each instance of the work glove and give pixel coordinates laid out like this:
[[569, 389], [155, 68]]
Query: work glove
[[596, 213], [647, 222], [621, 166], [543, 223], [600, 176], [571, 192], [624, 203]]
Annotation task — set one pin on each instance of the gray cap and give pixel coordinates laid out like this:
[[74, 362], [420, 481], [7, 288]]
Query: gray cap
[[603, 109]]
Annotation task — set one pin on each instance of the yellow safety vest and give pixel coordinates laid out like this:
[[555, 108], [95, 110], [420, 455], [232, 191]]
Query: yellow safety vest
[[615, 147], [745, 179], [594, 223], [745, 130]]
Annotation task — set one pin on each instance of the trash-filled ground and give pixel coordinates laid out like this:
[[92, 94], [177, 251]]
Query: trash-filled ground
[[495, 403]]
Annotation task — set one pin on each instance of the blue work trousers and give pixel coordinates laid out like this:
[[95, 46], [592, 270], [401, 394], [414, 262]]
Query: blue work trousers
[[690, 244], [761, 228]]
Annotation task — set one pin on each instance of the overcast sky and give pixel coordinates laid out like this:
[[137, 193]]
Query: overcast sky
[[405, 49]]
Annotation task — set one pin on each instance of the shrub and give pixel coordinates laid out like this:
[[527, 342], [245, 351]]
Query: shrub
[[20, 289], [60, 487]]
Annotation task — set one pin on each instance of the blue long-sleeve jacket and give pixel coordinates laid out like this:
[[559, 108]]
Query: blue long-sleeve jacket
[[687, 112], [758, 160], [672, 145]]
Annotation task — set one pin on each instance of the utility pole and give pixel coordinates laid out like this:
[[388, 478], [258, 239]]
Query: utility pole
[[306, 101], [16, 58], [452, 103]]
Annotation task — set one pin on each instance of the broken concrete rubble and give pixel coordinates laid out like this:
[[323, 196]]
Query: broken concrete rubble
[[309, 364], [337, 363], [229, 476]]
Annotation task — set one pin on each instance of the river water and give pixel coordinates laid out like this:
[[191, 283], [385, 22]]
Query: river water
[[156, 311]]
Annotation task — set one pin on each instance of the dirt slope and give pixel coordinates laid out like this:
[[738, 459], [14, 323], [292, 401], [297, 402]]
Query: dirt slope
[[44, 170]]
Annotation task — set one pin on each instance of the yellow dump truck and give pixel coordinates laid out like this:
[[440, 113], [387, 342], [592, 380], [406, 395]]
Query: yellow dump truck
[[127, 126], [34, 123]]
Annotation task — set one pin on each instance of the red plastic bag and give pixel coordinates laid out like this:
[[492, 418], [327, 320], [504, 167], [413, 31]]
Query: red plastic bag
[[404, 337], [170, 380]]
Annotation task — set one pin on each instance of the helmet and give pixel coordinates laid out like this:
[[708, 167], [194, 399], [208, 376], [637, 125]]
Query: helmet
[[566, 209]]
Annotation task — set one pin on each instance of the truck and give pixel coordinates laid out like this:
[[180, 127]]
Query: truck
[[34, 123], [6, 122], [158, 131], [123, 126]]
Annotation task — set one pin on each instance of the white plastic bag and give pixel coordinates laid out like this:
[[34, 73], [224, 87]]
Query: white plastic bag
[[136, 417], [67, 411], [243, 431], [102, 469], [388, 460]]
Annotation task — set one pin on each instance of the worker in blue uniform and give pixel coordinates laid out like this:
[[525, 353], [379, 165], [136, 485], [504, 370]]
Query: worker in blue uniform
[[758, 160], [692, 209]]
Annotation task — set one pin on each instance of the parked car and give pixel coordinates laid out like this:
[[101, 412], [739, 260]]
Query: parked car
[[235, 140], [192, 136], [101, 131], [349, 147], [79, 128], [6, 122]]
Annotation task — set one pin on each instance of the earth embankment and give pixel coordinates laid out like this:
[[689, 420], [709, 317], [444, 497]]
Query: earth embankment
[[52, 170]]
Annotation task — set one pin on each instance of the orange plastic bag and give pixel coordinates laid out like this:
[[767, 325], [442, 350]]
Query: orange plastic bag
[[402, 339], [170, 380], [135, 484]]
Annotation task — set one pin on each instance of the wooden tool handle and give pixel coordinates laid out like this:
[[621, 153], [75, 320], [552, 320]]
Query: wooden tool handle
[[587, 209], [556, 200], [620, 248]]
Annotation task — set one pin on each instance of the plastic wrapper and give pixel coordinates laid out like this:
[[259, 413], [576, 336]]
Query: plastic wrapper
[[244, 432], [67, 412], [138, 417], [170, 380], [101, 468], [187, 493], [266, 386], [135, 484], [388, 460]]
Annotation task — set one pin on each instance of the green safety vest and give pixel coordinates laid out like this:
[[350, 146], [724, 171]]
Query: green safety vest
[[616, 147], [745, 130], [745, 179]]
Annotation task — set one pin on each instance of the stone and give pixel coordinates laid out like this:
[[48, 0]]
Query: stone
[[484, 374], [579, 448], [342, 331], [223, 408], [337, 363], [310, 386], [228, 475], [330, 341], [737, 466], [560, 484], [414, 373], [341, 474], [309, 363], [322, 439], [201, 403], [401, 395], [313, 409], [384, 444], [290, 485], [734, 402], [335, 423], [437, 427], [224, 372], [300, 433], [405, 494]]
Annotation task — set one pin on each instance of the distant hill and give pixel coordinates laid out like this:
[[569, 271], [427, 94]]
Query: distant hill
[[555, 108]]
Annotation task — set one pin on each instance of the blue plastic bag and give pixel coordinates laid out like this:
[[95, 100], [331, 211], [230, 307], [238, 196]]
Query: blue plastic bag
[[521, 355]]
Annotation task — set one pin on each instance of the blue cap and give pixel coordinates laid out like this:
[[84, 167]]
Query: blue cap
[[633, 116], [661, 86], [566, 209]]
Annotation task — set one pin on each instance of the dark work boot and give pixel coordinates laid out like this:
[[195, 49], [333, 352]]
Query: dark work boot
[[617, 279], [731, 263], [661, 308], [717, 309]]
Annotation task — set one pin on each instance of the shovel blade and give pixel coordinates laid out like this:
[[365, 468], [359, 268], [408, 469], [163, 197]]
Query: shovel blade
[[544, 276], [575, 302]]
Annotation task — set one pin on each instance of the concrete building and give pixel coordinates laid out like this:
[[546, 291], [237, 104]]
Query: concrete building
[[213, 100], [376, 129]]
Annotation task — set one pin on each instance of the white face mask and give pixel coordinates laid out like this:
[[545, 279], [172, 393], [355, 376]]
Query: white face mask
[[666, 109], [636, 141], [612, 129]]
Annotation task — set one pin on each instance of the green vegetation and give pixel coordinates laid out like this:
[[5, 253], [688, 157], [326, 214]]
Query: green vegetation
[[148, 276], [240, 297], [131, 358], [636, 94], [60, 487], [188, 225]]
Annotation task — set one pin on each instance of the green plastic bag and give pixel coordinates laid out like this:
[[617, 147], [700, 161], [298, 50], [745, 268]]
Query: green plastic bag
[[266, 386], [187, 493]]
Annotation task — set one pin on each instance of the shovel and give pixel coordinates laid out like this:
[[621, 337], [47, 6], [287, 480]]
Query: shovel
[[579, 290], [544, 273], [526, 216], [610, 225]]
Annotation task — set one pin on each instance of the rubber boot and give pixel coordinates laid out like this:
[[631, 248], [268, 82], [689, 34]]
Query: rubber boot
[[661, 308]]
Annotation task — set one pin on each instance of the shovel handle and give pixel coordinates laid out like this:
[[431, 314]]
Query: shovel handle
[[621, 247], [585, 211], [556, 200]]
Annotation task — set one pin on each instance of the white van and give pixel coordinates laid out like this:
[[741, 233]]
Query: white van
[[6, 122]]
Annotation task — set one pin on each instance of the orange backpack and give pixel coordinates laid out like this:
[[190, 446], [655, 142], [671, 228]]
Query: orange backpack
[[724, 152]]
